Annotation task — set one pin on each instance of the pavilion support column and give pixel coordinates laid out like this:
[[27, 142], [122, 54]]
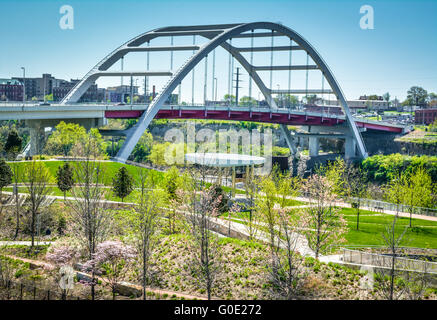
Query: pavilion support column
[[314, 146]]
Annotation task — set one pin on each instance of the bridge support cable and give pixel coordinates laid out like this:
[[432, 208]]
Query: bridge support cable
[[229, 74], [122, 67], [271, 63], [232, 75], [289, 72], [306, 81], [205, 85], [192, 75], [213, 76], [147, 68], [251, 65]]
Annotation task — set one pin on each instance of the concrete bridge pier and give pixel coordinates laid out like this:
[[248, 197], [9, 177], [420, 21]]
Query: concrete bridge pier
[[350, 148], [314, 146], [37, 129], [37, 135]]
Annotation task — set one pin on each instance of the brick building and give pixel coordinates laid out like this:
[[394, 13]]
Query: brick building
[[11, 90], [425, 116]]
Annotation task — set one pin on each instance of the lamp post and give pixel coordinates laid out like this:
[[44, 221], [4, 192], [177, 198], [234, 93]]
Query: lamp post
[[215, 95], [280, 95], [24, 84]]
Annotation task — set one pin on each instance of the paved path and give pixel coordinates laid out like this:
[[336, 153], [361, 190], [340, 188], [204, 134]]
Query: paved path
[[24, 243]]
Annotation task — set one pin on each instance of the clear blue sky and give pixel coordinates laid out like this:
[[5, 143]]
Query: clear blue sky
[[400, 52]]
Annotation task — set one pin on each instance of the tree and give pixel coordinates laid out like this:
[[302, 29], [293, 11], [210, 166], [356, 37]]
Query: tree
[[143, 147], [90, 145], [417, 96], [37, 177], [144, 223], [113, 257], [62, 256], [172, 184], [417, 190], [64, 178], [285, 271], [386, 97], [91, 221], [324, 222], [311, 98], [64, 138], [355, 186], [392, 242], [247, 101], [5, 176], [394, 191], [13, 143], [123, 183], [202, 207], [229, 98]]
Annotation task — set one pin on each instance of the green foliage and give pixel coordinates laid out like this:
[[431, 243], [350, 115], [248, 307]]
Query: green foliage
[[381, 168], [64, 137], [123, 183], [13, 143], [143, 147], [5, 174], [64, 177]]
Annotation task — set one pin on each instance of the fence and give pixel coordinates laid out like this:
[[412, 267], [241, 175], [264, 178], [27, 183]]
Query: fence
[[384, 260], [380, 206], [11, 290]]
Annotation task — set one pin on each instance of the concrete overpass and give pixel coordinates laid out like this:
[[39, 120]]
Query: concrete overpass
[[318, 124]]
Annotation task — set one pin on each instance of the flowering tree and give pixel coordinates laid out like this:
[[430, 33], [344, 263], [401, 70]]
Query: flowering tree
[[112, 257], [62, 256], [324, 223]]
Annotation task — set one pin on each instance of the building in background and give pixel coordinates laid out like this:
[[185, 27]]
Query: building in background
[[63, 88], [425, 116], [11, 90], [363, 104], [120, 94]]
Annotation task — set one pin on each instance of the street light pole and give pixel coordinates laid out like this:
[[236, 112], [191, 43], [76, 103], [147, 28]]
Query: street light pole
[[215, 87], [24, 84]]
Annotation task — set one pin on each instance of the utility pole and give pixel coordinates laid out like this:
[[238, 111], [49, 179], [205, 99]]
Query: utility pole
[[237, 85], [24, 84]]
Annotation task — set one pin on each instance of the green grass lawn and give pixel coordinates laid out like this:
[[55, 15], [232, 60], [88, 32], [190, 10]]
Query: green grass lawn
[[109, 169], [423, 233]]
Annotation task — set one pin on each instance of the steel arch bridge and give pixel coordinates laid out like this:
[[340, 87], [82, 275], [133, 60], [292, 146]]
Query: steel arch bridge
[[217, 36]]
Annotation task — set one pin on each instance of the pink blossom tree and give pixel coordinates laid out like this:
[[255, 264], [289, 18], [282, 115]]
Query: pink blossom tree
[[112, 257]]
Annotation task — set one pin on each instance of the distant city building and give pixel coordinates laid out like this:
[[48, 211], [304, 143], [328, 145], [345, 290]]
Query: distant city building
[[425, 116], [11, 90], [362, 104], [63, 88], [120, 93], [38, 87]]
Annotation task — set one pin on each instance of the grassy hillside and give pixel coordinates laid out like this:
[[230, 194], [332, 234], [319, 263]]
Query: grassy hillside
[[109, 168]]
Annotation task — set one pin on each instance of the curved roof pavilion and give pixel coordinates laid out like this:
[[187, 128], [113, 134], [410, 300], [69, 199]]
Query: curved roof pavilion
[[224, 159]]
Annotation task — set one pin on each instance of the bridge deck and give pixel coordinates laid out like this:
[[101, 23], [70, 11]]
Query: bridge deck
[[256, 114]]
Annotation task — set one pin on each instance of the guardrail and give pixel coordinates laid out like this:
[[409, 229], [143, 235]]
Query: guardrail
[[380, 206], [386, 261]]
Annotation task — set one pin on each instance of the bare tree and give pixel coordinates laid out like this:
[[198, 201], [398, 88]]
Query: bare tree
[[324, 223], [355, 186], [91, 221], [16, 178], [387, 275], [202, 208], [145, 225], [36, 177], [286, 272]]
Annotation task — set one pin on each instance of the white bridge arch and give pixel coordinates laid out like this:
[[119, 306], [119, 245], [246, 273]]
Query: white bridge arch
[[218, 35]]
